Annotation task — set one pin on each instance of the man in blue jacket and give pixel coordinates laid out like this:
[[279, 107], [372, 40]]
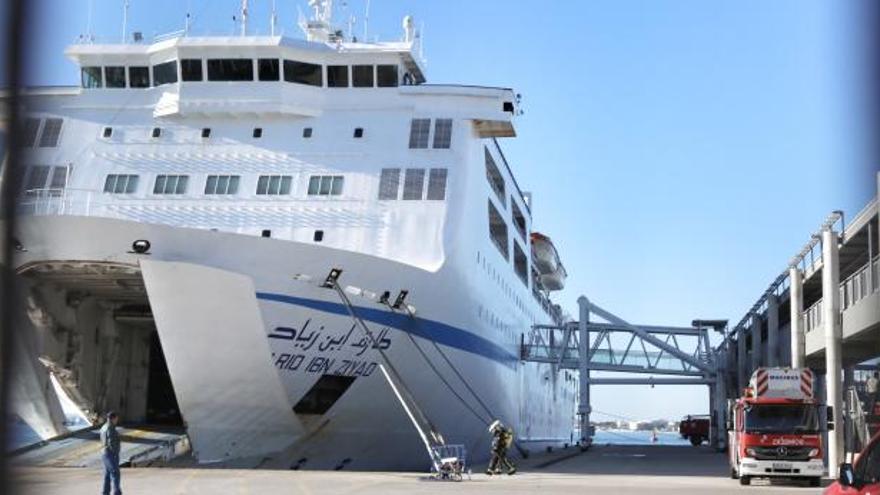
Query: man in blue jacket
[[110, 445]]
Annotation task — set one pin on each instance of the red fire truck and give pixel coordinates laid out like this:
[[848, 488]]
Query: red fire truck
[[774, 428]]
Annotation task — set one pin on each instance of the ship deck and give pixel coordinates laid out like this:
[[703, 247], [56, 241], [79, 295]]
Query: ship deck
[[603, 469]]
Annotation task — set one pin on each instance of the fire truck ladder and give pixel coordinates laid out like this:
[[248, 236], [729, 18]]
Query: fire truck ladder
[[680, 355]]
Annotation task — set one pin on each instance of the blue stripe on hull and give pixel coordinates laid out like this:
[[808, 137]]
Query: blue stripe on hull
[[427, 329]]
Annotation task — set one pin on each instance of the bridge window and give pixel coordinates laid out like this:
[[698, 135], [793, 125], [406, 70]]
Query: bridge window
[[230, 69], [170, 184], [496, 180], [325, 185], [29, 135], [389, 183], [303, 73], [418, 133], [115, 77], [165, 73], [222, 184], [498, 231], [386, 76], [91, 77], [39, 175], [274, 185], [442, 133], [268, 69], [413, 183], [59, 178], [362, 76], [138, 77], [520, 264], [519, 220], [337, 76], [191, 69], [437, 184], [120, 184], [51, 133]]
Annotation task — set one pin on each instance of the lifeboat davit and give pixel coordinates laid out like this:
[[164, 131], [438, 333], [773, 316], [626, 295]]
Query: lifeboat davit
[[550, 270]]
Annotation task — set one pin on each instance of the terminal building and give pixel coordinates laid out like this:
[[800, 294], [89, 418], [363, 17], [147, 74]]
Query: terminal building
[[822, 312]]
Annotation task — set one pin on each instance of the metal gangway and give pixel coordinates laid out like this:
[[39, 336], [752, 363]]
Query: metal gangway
[[678, 355]]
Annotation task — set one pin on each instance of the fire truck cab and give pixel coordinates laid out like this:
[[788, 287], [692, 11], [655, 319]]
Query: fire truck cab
[[774, 428]]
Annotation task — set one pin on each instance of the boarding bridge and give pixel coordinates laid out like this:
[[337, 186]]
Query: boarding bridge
[[678, 355]]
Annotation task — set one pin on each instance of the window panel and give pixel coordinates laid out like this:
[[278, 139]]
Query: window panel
[[520, 264], [493, 175], [59, 178], [386, 76], [51, 133], [138, 77], [29, 134], [362, 76], [115, 77], [389, 183], [222, 184], [38, 177], [269, 69], [413, 183], [91, 77], [273, 185], [498, 231], [336, 187], [325, 185], [418, 133], [337, 76], [519, 220], [230, 69], [437, 184], [120, 184], [442, 133], [170, 184], [191, 69], [303, 73], [263, 184], [165, 73]]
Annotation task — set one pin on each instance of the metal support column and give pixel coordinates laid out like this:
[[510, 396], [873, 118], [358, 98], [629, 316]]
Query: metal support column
[[584, 408], [796, 292], [742, 361], [718, 392], [773, 330], [831, 321], [757, 348]]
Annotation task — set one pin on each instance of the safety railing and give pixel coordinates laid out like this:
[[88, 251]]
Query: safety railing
[[862, 283]]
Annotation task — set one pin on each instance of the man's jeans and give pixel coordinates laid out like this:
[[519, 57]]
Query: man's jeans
[[111, 472]]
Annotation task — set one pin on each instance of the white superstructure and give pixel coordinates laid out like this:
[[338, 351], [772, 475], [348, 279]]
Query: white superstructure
[[252, 166]]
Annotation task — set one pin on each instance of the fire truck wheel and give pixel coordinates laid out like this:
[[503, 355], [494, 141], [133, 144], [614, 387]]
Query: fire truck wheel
[[696, 440], [817, 481], [745, 480], [733, 474]]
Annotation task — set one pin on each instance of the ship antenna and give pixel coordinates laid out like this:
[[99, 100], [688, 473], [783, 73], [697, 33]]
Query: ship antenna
[[244, 17], [366, 20], [89, 37], [273, 19], [124, 20]]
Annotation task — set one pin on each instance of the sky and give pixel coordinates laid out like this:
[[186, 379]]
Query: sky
[[679, 152]]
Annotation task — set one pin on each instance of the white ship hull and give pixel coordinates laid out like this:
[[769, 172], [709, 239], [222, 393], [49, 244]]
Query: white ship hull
[[366, 427]]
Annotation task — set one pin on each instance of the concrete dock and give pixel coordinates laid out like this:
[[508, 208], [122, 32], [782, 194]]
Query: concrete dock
[[603, 469]]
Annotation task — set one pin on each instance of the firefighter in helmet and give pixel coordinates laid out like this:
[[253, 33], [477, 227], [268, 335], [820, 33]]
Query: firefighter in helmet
[[502, 439]]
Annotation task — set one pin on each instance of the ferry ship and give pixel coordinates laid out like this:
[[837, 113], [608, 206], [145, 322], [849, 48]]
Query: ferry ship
[[185, 211]]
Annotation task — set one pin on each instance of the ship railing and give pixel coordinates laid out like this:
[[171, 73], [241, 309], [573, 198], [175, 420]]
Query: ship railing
[[56, 201]]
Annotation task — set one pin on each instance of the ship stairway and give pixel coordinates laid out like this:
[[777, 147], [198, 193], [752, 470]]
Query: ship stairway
[[431, 438], [667, 355]]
